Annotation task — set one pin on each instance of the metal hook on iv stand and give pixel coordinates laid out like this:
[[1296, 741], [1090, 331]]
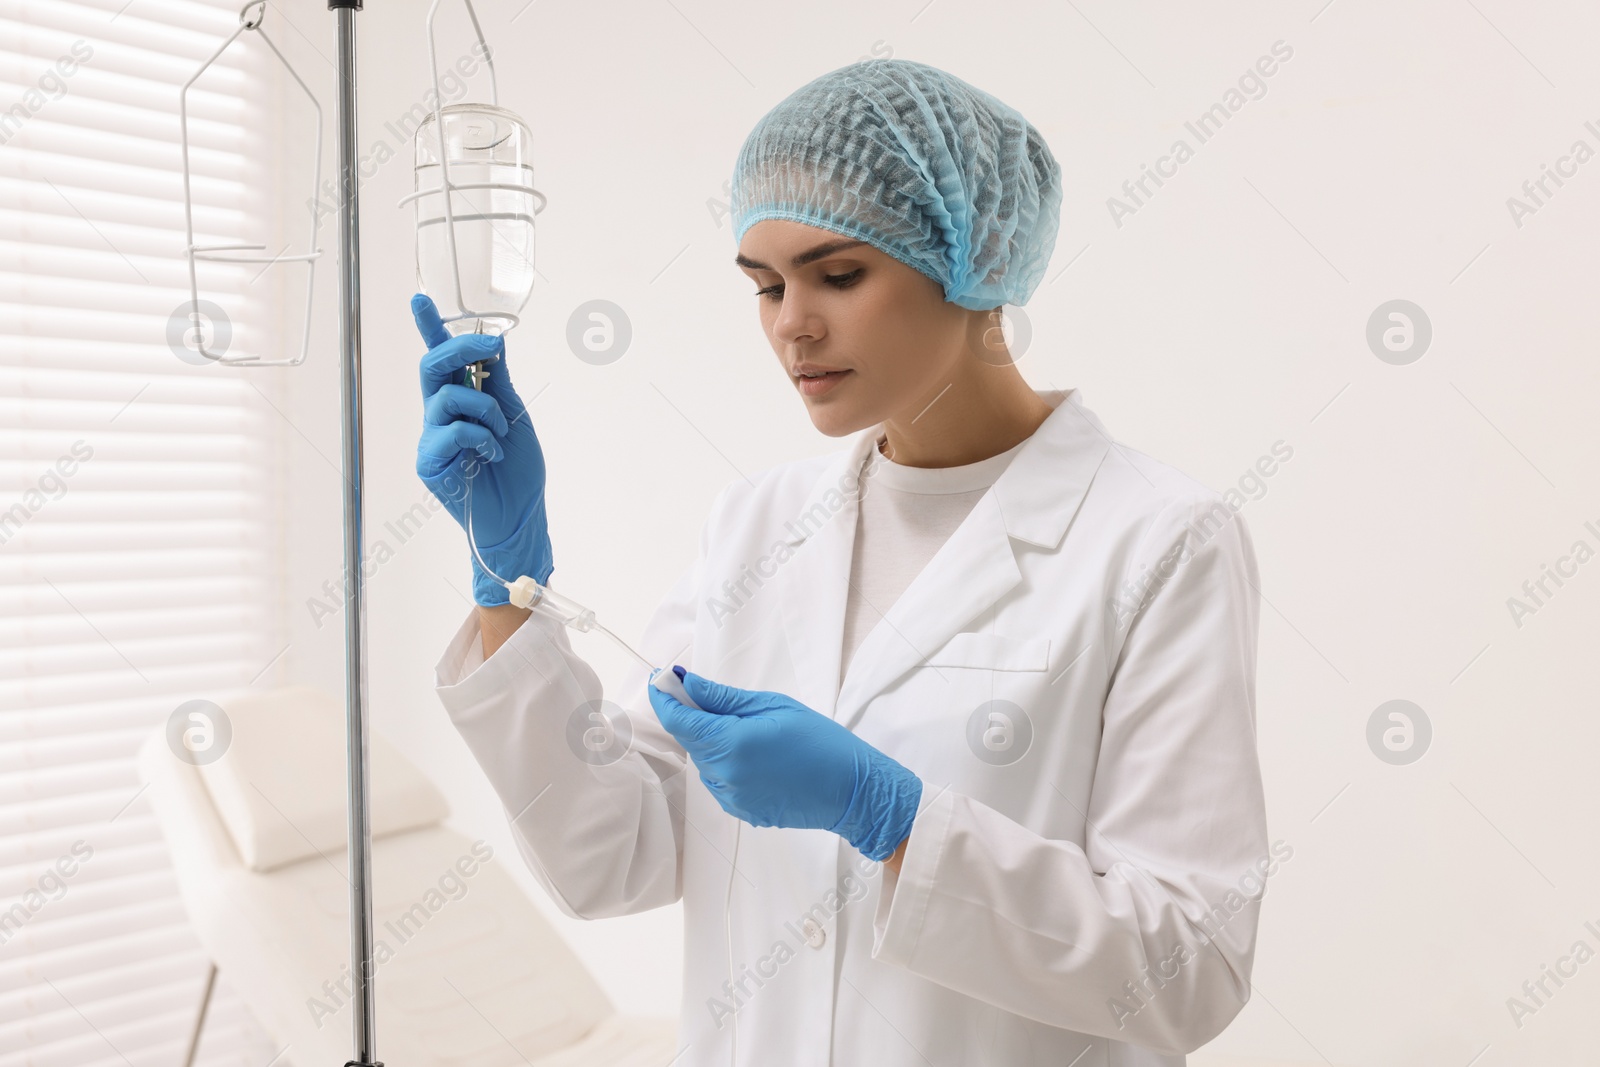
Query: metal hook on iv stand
[[210, 252]]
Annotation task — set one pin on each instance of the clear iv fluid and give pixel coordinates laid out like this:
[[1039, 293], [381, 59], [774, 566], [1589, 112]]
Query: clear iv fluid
[[494, 234], [486, 152]]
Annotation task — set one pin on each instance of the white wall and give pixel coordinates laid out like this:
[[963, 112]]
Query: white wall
[[1228, 313]]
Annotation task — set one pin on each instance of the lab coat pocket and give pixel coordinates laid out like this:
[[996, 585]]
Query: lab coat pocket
[[974, 708], [997, 652]]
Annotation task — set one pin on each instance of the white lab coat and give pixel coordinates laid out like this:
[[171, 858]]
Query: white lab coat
[[1093, 902]]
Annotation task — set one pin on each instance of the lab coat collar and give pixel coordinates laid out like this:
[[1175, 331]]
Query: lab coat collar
[[1033, 500]]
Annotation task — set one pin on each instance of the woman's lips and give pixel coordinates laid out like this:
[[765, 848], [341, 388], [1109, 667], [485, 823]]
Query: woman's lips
[[818, 386]]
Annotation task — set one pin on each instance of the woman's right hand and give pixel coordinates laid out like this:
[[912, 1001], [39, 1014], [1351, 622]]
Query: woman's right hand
[[486, 437]]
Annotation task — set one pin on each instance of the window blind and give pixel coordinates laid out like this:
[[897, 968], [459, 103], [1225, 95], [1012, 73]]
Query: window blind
[[140, 547]]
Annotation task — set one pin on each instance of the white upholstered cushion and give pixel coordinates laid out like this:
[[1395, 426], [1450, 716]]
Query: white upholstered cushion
[[279, 787]]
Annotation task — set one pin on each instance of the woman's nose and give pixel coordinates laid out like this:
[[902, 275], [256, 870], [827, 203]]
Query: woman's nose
[[796, 320]]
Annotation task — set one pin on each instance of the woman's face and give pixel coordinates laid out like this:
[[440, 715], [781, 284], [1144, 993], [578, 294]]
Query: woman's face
[[842, 305]]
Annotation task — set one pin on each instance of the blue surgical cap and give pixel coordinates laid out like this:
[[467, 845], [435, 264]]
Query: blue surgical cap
[[917, 163]]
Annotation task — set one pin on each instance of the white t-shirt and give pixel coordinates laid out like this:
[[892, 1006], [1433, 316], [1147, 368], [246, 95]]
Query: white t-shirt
[[906, 513]]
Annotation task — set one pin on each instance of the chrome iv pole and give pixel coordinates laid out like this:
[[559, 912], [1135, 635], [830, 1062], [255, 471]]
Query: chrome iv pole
[[355, 617], [359, 831]]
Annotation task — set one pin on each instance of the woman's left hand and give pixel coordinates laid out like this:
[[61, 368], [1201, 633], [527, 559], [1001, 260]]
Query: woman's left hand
[[772, 761]]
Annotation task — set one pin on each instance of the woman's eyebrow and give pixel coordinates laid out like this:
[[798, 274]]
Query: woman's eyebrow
[[803, 258]]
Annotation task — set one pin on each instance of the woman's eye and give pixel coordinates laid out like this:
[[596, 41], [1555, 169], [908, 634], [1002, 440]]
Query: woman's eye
[[838, 281]]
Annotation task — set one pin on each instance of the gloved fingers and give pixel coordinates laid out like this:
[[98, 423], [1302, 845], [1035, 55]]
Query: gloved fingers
[[674, 716], [447, 442], [428, 321], [498, 382], [442, 364], [688, 725], [722, 699], [498, 385], [431, 467], [451, 401]]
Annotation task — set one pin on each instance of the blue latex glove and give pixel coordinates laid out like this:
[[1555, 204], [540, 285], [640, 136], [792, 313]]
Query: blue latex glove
[[772, 761], [488, 437]]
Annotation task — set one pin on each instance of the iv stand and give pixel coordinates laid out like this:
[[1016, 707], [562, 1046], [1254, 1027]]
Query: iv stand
[[355, 638]]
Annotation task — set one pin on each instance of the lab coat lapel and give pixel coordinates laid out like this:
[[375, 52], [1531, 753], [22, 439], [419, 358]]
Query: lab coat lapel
[[1033, 500], [969, 572], [817, 576]]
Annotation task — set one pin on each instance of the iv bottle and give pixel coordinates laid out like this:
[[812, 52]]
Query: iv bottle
[[482, 284]]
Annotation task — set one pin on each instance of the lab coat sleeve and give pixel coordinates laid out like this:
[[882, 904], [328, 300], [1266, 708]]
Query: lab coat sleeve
[[1147, 934], [604, 837]]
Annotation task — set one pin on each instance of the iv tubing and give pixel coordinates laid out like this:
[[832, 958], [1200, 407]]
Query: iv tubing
[[547, 601]]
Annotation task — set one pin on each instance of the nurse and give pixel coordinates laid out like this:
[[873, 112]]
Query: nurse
[[973, 774]]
